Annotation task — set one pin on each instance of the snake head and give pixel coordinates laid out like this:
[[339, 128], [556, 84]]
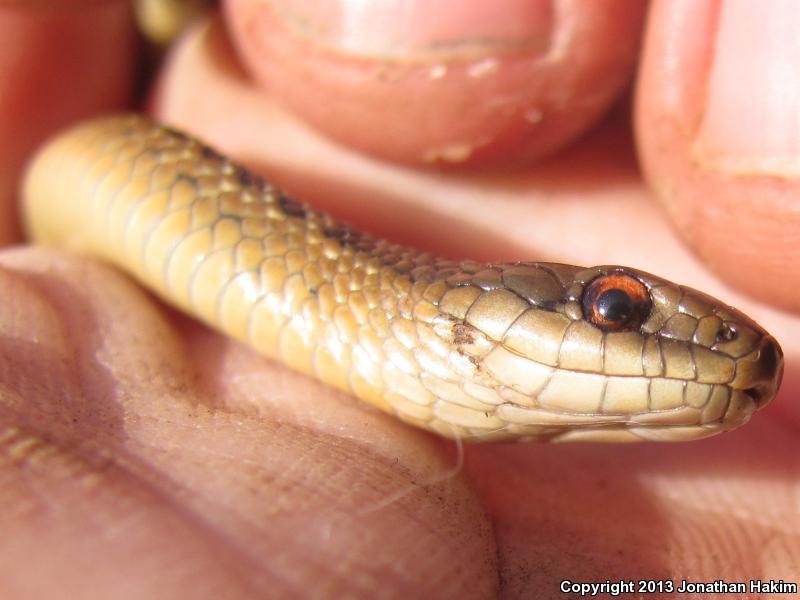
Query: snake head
[[724, 364], [610, 353], [721, 339]]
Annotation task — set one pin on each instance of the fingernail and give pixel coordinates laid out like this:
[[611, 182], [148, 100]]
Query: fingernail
[[403, 27], [751, 122]]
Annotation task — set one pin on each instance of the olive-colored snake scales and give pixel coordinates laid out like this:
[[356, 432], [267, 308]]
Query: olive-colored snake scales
[[478, 351]]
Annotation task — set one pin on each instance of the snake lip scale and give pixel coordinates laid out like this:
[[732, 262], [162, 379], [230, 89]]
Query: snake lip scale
[[520, 350]]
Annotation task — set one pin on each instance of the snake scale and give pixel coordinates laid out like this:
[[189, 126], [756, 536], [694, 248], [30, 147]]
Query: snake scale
[[519, 350]]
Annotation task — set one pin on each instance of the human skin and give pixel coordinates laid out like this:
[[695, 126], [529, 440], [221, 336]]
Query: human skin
[[142, 455]]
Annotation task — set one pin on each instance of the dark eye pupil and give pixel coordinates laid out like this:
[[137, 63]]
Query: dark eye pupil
[[616, 302], [615, 305]]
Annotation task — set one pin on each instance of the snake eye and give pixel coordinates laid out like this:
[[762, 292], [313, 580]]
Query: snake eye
[[616, 302]]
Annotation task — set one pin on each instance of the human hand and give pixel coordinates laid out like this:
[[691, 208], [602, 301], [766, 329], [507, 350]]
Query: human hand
[[131, 421]]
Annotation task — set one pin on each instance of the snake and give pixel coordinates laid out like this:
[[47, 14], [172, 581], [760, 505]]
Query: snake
[[469, 350]]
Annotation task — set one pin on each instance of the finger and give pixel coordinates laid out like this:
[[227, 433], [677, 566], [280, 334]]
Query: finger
[[163, 460], [59, 61], [203, 90], [450, 83], [717, 125]]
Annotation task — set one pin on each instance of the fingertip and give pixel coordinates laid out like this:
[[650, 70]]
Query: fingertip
[[718, 157], [471, 84]]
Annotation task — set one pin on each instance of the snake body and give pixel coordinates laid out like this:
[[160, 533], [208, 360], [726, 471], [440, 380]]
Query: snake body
[[465, 349]]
